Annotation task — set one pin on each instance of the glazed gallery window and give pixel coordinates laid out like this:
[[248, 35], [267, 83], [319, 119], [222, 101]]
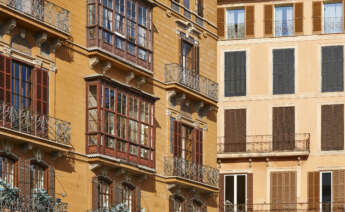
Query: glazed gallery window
[[125, 24], [283, 21], [37, 178], [19, 82], [333, 17], [7, 169], [235, 23], [120, 121]]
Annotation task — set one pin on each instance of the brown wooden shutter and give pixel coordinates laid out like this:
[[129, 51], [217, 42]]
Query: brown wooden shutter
[[268, 18], [16, 173], [42, 91], [221, 22], [177, 139], [299, 18], [313, 191], [250, 14], [221, 193], [293, 189], [51, 181], [95, 193], [343, 14], [338, 187], [317, 5], [274, 190], [235, 130], [21, 178], [283, 128], [332, 127], [5, 79], [138, 198], [250, 192], [171, 204]]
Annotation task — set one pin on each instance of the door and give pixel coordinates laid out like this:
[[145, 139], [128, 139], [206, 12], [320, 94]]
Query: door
[[326, 191], [235, 193]]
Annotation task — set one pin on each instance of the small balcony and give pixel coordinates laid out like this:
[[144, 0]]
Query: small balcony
[[176, 74], [31, 124], [188, 170], [264, 146], [42, 11], [32, 205]]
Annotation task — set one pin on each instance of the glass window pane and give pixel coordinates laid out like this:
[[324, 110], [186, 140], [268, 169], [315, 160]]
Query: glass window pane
[[229, 189], [333, 17], [284, 22], [93, 120], [235, 23]]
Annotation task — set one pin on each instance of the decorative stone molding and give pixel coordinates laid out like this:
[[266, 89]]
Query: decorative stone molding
[[22, 33], [168, 12], [26, 147], [198, 106], [205, 110], [53, 67], [171, 95], [38, 155], [7, 148], [55, 155], [120, 172], [171, 186], [140, 82], [180, 97], [10, 26], [178, 117], [130, 76], [106, 66], [93, 61], [142, 178], [41, 38], [38, 62], [7, 51], [95, 166]]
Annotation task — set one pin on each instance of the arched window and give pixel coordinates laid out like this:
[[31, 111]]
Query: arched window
[[176, 204], [8, 170], [128, 196], [104, 193], [37, 178]]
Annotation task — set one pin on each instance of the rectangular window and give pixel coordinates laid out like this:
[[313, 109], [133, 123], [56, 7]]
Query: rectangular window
[[235, 23], [332, 68], [7, 167], [235, 130], [235, 74], [199, 7], [119, 15], [333, 17], [283, 128], [21, 86], [235, 191], [37, 175], [283, 71], [284, 22], [332, 127], [92, 14], [283, 190], [107, 21], [326, 191]]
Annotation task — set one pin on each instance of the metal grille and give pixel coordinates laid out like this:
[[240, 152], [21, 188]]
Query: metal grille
[[43, 11], [28, 122], [175, 73], [31, 206], [178, 167]]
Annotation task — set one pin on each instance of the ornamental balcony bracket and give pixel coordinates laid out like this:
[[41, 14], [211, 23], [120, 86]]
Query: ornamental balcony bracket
[[141, 81], [130, 76], [56, 44], [204, 111], [10, 26], [93, 61], [41, 38], [106, 66]]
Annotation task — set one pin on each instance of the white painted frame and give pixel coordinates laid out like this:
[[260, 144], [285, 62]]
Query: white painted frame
[[235, 189], [321, 173]]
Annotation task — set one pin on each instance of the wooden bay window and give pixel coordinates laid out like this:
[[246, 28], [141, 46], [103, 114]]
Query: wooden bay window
[[120, 122]]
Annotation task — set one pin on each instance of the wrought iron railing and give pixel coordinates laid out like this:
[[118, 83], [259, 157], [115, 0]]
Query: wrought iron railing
[[175, 73], [30, 206], [28, 122], [284, 27], [236, 31], [178, 167], [265, 144], [43, 11], [286, 207]]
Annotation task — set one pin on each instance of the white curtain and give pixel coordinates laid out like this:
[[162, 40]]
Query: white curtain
[[235, 23], [283, 21], [333, 17]]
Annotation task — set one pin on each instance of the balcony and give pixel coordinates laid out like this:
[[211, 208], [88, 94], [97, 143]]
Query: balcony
[[42, 11], [303, 206], [265, 146], [187, 170], [30, 205], [28, 123], [176, 74]]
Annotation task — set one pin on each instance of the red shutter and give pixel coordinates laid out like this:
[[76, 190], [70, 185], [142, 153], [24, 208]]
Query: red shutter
[[95, 192], [250, 192], [42, 95], [177, 139], [221, 193]]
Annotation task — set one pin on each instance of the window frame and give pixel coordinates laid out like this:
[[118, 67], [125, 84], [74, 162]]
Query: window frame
[[292, 20], [36, 169], [235, 189], [323, 17], [10, 180], [321, 184], [228, 25]]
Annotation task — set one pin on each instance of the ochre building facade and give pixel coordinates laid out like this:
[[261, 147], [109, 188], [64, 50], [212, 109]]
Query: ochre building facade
[[109, 103], [281, 105]]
